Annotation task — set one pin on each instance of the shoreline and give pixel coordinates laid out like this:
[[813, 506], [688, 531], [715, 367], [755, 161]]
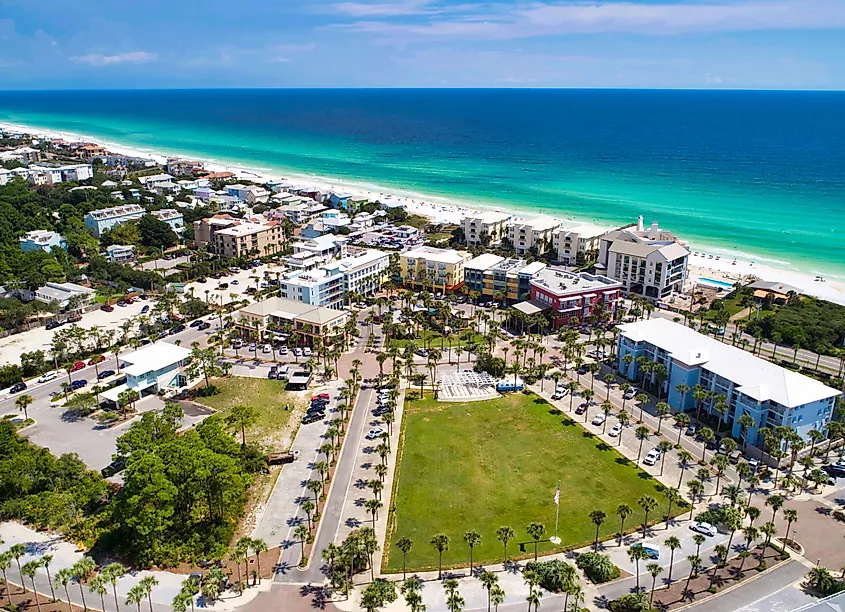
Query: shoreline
[[708, 262]]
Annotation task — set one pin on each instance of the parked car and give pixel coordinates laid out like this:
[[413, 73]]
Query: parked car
[[273, 373], [18, 387], [306, 351], [835, 470], [48, 376], [297, 351], [631, 393], [115, 467], [599, 419], [78, 384], [652, 457], [107, 308], [77, 366], [322, 395], [203, 326], [146, 308], [704, 528], [195, 323], [97, 359], [754, 464], [283, 350], [105, 374], [651, 551], [313, 417], [691, 430], [53, 324], [235, 281], [266, 349], [582, 408], [374, 433], [615, 430]]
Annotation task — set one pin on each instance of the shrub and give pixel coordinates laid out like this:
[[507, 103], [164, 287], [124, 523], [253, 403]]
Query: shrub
[[633, 602], [598, 567], [712, 516], [551, 575], [207, 391], [839, 515]]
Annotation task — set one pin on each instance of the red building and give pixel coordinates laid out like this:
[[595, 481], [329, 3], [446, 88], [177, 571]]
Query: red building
[[567, 296]]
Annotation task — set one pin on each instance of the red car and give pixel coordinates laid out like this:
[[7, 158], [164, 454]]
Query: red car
[[323, 396], [77, 366], [107, 308], [96, 359]]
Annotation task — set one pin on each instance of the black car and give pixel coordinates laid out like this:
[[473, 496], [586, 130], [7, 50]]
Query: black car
[[78, 384], [196, 323], [177, 329], [203, 326], [105, 374], [835, 470], [53, 324], [115, 467], [17, 388], [317, 407], [313, 417], [273, 373]]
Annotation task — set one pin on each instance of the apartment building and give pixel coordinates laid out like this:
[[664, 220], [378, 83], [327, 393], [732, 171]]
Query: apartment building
[[319, 287], [205, 229], [172, 217], [485, 228], [364, 272], [648, 262], [536, 233], [573, 299], [100, 220], [773, 396], [433, 269], [249, 240], [41, 240], [578, 244], [496, 277]]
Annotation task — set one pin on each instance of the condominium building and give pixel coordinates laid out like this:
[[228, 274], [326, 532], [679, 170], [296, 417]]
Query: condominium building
[[172, 217], [318, 287], [572, 299], [432, 268], [364, 272], [100, 220], [120, 252], [204, 229], [249, 240], [41, 240], [648, 262], [308, 321], [576, 245], [308, 254], [536, 233], [485, 228], [771, 395], [496, 277]]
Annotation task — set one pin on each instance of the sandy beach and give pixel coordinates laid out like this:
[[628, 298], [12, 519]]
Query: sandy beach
[[702, 263]]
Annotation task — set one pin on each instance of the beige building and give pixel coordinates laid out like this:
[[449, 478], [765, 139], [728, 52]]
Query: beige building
[[305, 319], [205, 229], [432, 268], [490, 224], [538, 232], [249, 240], [578, 244]]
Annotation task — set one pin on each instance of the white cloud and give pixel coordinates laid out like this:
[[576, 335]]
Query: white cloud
[[277, 60], [134, 57], [385, 9]]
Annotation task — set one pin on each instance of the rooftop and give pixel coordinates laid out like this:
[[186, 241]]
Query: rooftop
[[363, 258], [450, 256], [755, 377], [639, 249], [538, 224], [242, 229], [154, 178], [116, 211], [166, 213], [485, 261], [585, 230], [490, 216], [774, 287], [42, 236], [560, 282], [153, 357]]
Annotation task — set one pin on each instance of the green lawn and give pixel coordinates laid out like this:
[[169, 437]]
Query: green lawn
[[267, 396], [433, 340], [481, 465]]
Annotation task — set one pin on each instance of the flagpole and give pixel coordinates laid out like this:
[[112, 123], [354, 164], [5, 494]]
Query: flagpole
[[555, 539]]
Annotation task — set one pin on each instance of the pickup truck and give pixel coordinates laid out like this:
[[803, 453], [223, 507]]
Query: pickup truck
[[281, 458]]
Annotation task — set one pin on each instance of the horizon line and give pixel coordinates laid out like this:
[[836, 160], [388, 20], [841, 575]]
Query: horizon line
[[418, 88]]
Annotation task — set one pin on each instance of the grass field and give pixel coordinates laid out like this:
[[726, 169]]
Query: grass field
[[481, 465], [267, 396], [433, 340]]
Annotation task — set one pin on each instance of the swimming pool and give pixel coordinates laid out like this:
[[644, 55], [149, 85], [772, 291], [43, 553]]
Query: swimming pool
[[717, 283]]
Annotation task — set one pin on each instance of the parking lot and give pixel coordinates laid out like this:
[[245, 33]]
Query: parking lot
[[233, 286]]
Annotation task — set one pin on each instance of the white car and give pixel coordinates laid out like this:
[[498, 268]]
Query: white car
[[297, 351], [652, 457], [48, 376], [283, 350], [599, 419], [266, 348], [631, 393], [374, 433], [307, 351], [704, 528], [615, 430]]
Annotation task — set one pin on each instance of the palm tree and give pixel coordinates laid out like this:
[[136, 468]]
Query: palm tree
[[29, 570], [441, 543], [97, 585], [504, 534], [662, 409], [17, 551], [664, 446], [22, 403], [5, 563], [497, 596], [404, 544], [682, 389], [598, 518], [706, 436], [63, 577], [81, 570], [672, 543], [694, 568], [112, 572], [46, 560], [655, 570], [791, 516], [536, 531], [775, 502], [642, 400], [147, 583], [648, 504], [642, 433], [303, 535], [472, 539], [637, 554], [135, 596]]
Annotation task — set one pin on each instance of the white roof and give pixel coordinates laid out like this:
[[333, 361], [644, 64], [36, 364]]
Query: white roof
[[489, 216], [485, 261], [437, 255], [586, 230], [154, 357], [539, 224], [363, 258], [533, 268], [755, 377], [243, 229]]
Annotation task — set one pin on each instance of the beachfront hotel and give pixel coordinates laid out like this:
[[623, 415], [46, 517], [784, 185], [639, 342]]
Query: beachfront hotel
[[493, 277], [576, 245], [432, 268], [773, 396], [571, 298], [648, 262], [485, 228], [248, 239], [536, 233]]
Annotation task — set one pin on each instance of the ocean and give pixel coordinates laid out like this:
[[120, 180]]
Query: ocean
[[756, 175]]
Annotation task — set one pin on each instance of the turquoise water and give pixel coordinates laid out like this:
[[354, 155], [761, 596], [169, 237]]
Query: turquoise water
[[755, 175], [718, 283]]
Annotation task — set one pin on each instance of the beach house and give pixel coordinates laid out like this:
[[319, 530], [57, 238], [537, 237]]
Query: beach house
[[43, 240], [100, 220], [172, 217], [160, 366], [120, 252], [771, 395]]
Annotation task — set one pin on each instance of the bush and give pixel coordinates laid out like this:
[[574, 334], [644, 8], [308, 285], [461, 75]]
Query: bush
[[633, 602], [713, 516], [207, 391], [839, 515], [551, 575], [598, 567]]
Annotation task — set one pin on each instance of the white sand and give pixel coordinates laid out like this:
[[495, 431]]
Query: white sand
[[449, 211]]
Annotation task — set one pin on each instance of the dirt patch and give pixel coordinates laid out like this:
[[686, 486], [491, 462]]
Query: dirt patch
[[267, 560], [26, 601]]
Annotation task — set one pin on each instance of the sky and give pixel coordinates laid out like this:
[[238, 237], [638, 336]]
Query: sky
[[94, 44]]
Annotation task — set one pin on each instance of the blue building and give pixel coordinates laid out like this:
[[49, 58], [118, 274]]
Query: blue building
[[43, 240], [773, 396], [100, 220]]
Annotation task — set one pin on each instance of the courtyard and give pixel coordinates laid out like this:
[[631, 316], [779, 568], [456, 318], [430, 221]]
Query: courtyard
[[482, 465]]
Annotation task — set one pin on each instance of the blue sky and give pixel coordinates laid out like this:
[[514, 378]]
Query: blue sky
[[769, 44]]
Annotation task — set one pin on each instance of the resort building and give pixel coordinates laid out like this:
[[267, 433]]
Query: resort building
[[308, 254], [433, 269], [648, 262], [485, 228], [495, 277], [318, 287], [41, 240], [308, 321], [64, 293], [249, 240], [157, 367], [364, 272], [120, 252], [537, 234], [172, 217], [100, 220], [773, 396], [204, 229], [578, 244], [572, 299]]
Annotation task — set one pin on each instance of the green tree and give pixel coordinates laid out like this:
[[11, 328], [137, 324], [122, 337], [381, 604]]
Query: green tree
[[83, 568], [623, 511], [112, 573], [504, 535], [488, 580], [203, 362], [29, 570], [536, 531], [637, 554], [472, 539], [648, 504], [156, 233], [241, 417], [404, 544], [673, 543], [655, 570], [441, 543], [598, 517]]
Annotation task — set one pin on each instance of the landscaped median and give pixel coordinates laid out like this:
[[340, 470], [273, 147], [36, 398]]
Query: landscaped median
[[483, 465]]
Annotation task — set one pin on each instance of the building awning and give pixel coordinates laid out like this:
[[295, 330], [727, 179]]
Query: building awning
[[531, 307], [111, 394]]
